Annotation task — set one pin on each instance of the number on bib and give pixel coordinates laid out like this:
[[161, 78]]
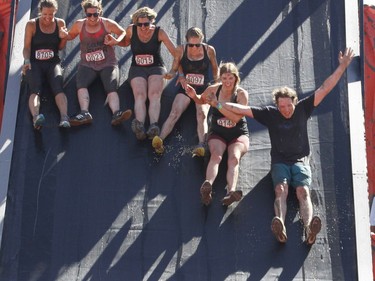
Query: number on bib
[[95, 56], [144, 60], [195, 79], [44, 54], [226, 123]]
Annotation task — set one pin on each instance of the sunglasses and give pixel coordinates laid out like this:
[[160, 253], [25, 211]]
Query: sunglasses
[[196, 45], [89, 15], [145, 24]]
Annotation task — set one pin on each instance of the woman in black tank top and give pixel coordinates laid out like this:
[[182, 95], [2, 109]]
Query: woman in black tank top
[[228, 131], [147, 69], [42, 62], [192, 62]]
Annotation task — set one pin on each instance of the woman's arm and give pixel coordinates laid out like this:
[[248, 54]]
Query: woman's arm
[[164, 37], [242, 100], [113, 28], [176, 63], [61, 24], [211, 52]]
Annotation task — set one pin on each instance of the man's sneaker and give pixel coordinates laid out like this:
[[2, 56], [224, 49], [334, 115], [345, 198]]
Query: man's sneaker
[[38, 121], [199, 150], [82, 118], [138, 129], [120, 116], [157, 144], [64, 122], [153, 131], [312, 230]]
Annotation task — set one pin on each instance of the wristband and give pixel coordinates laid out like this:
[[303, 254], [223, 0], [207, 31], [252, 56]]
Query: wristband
[[219, 106], [27, 61], [181, 75]]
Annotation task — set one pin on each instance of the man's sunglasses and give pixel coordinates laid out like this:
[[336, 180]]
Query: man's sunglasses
[[196, 45], [89, 15], [145, 24]]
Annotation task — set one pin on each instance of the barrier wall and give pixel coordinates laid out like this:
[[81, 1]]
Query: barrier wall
[[5, 30], [369, 86]]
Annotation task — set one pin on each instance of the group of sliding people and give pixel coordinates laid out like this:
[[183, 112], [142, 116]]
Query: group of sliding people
[[219, 91]]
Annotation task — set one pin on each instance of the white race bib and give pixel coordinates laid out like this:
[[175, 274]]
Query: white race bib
[[44, 54], [144, 60], [95, 56], [195, 79], [226, 123]]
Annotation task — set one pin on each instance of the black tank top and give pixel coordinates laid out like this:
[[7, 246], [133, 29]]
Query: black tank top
[[196, 72], [222, 126], [146, 54], [45, 46]]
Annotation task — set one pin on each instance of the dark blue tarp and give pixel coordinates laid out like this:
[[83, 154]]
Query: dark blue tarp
[[93, 203]]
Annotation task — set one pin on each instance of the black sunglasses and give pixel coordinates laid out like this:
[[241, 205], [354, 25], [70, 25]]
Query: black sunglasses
[[145, 24], [89, 15], [196, 45]]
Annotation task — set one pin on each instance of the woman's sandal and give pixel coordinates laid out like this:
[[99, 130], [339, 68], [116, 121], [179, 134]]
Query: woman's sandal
[[206, 193], [232, 196]]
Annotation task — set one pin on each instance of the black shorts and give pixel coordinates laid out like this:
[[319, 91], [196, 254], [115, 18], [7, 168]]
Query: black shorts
[[42, 70], [198, 89], [145, 72], [109, 76]]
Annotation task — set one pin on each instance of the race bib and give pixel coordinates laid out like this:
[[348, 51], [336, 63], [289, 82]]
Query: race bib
[[195, 79], [95, 56], [226, 123], [144, 60], [44, 54]]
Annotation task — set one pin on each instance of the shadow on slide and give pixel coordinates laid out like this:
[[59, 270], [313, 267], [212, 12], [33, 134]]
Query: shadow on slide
[[93, 203]]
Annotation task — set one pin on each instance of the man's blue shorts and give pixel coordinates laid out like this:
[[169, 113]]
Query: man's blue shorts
[[297, 174]]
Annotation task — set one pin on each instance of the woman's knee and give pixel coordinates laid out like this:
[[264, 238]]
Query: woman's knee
[[154, 95], [139, 96], [215, 156], [233, 160]]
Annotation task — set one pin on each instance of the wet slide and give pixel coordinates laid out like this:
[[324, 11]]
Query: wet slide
[[93, 203]]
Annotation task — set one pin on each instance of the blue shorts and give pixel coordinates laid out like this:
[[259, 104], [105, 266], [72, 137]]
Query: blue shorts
[[297, 174]]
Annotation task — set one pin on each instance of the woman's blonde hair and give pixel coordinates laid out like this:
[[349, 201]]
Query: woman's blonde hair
[[144, 12], [230, 67], [87, 4]]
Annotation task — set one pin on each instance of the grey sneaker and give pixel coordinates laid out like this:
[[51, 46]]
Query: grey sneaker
[[38, 121], [82, 118], [64, 122], [153, 131], [138, 129], [121, 116]]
